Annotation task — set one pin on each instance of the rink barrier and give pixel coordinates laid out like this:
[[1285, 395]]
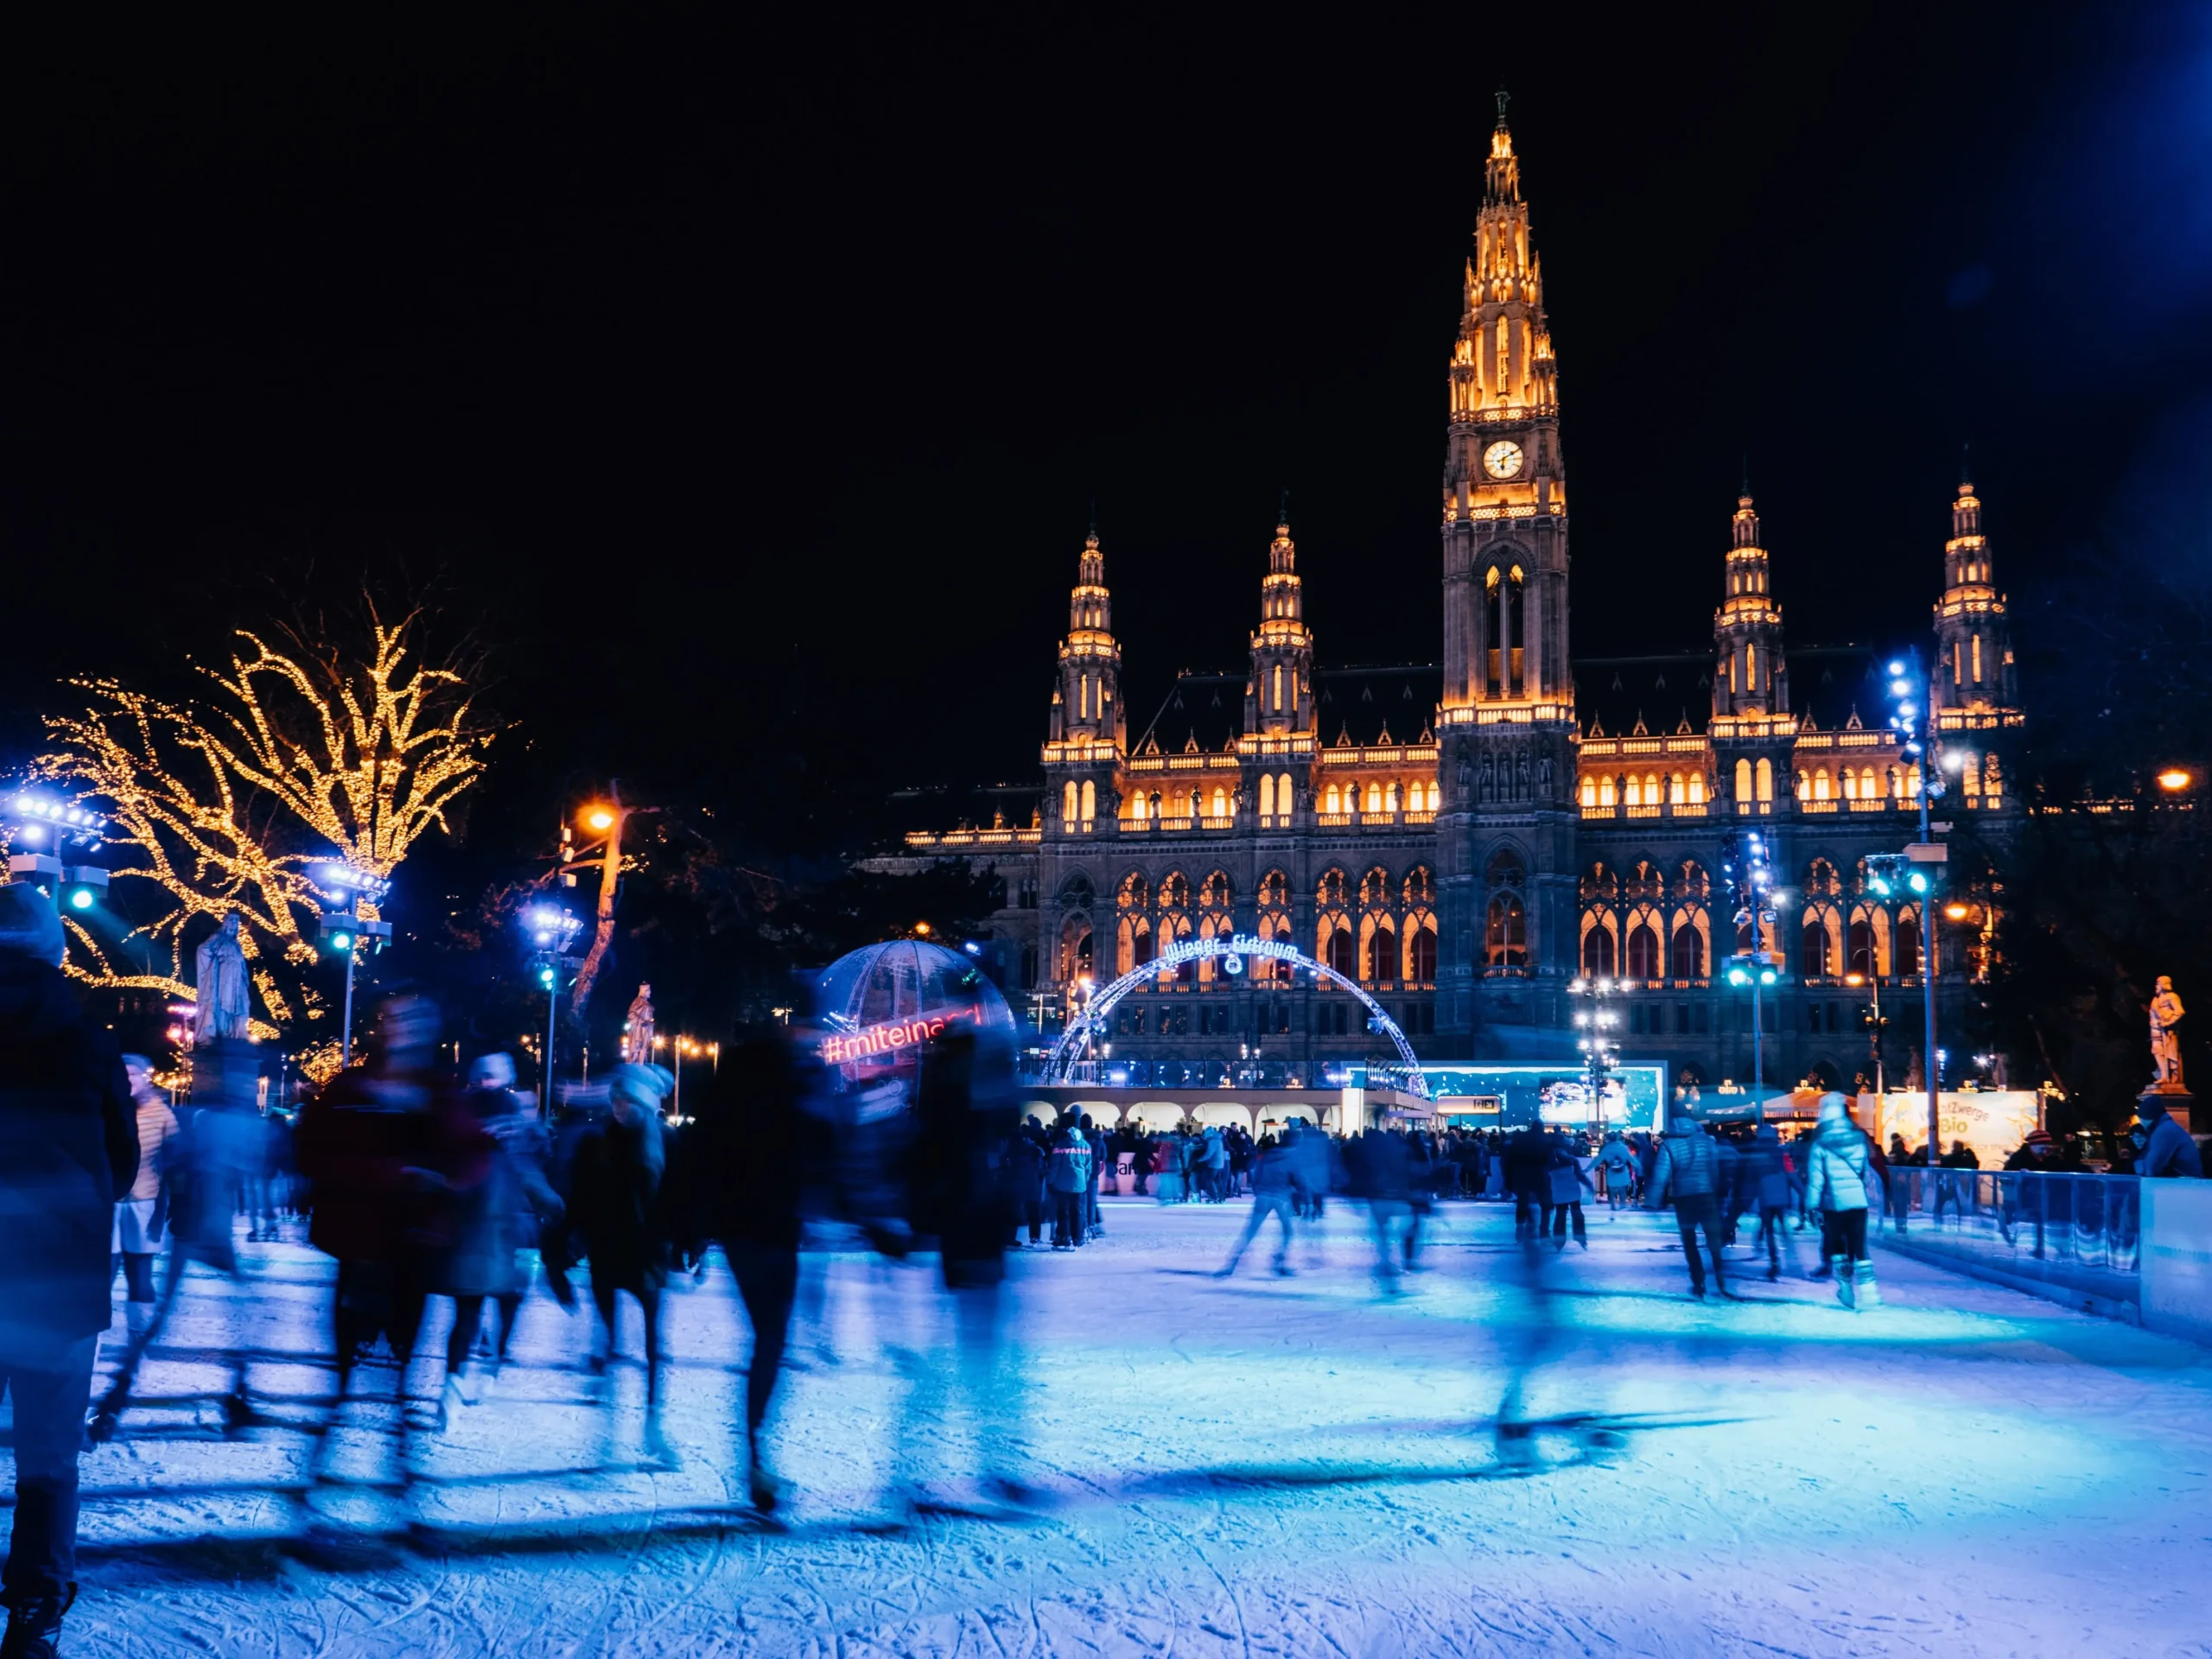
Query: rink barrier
[[2075, 1239], [2177, 1258]]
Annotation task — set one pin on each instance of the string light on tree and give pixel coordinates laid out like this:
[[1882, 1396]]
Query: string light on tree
[[366, 754]]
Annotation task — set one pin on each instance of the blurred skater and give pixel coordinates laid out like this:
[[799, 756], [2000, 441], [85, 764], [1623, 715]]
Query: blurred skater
[[1271, 1196], [383, 1146], [141, 1218], [613, 1203], [494, 1221], [68, 1150], [207, 1167], [764, 1151], [964, 1104]]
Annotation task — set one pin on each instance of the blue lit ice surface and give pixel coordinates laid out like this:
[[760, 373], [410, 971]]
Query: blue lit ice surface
[[1270, 1465], [1507, 1096]]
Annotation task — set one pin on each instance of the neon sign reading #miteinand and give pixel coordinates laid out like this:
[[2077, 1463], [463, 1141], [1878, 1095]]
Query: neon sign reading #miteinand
[[845, 1046]]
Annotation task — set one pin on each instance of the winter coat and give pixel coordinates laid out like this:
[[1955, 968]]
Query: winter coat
[[68, 1150], [1526, 1162], [1071, 1167], [613, 1200], [496, 1216], [356, 1142], [1835, 1168], [962, 1180], [157, 1126], [1688, 1164], [1567, 1180], [1616, 1157], [2170, 1151], [1765, 1179], [1382, 1166], [1271, 1169]]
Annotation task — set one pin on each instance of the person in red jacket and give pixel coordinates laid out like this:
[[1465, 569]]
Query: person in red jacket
[[383, 1147]]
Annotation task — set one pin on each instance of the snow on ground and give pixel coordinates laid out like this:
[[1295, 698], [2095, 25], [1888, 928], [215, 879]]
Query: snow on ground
[[1260, 1466]]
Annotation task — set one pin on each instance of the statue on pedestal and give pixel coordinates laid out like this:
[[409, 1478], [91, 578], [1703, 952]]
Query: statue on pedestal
[[2166, 1013], [638, 1028], [221, 997]]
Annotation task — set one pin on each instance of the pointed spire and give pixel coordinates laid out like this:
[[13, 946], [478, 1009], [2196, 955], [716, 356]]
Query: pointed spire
[[1965, 467]]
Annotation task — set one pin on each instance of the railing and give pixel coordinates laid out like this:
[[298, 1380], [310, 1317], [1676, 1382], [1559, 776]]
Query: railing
[[973, 837], [2080, 1231]]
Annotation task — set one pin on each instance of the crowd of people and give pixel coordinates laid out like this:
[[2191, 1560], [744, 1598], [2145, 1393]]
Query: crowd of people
[[422, 1187]]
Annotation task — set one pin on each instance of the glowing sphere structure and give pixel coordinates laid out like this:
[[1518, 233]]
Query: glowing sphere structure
[[879, 1008]]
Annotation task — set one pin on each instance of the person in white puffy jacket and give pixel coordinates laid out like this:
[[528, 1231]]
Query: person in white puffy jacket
[[1835, 1185]]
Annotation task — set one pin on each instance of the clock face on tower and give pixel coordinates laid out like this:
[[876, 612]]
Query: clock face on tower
[[1502, 459]]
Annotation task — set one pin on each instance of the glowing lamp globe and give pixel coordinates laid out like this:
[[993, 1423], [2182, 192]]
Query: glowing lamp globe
[[878, 1008]]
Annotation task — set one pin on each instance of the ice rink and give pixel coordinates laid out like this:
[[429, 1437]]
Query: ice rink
[[1261, 1465]]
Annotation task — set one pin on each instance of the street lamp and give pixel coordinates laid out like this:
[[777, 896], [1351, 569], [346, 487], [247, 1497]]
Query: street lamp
[[1595, 1024], [340, 890], [1915, 724], [35, 819], [552, 929], [2174, 779]]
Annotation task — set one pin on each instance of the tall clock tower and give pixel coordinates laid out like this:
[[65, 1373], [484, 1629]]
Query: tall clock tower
[[1506, 834]]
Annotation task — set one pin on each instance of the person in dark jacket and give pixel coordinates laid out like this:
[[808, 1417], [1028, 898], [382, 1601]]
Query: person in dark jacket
[[1688, 1170], [1027, 1153], [1764, 1177], [763, 1149], [614, 1203], [1380, 1171], [494, 1220], [965, 1105], [1526, 1178], [68, 1150], [2167, 1149]]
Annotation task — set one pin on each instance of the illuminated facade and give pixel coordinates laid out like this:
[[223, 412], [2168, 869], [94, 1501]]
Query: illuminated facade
[[1465, 838]]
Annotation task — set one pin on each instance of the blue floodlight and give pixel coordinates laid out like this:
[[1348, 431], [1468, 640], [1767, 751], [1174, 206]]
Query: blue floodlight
[[1766, 975], [1897, 668], [1901, 688], [972, 948], [545, 978], [80, 899], [1917, 882], [341, 941], [1738, 976]]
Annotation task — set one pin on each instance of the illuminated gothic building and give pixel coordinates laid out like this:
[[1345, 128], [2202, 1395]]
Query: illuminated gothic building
[[1464, 840]]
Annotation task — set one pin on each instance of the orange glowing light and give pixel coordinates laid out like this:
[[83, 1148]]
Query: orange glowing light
[[599, 818], [922, 929], [2173, 778], [1956, 911]]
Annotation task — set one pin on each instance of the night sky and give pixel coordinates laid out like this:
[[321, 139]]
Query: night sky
[[748, 379]]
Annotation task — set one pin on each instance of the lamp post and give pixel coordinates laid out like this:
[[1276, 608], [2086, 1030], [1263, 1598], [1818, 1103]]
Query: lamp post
[[1756, 967], [1915, 722], [552, 929], [341, 889], [1599, 1050], [35, 820]]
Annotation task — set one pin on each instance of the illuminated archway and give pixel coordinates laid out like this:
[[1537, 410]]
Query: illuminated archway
[[1229, 953]]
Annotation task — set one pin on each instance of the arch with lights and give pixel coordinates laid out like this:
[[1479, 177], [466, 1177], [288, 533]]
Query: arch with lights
[[1231, 954]]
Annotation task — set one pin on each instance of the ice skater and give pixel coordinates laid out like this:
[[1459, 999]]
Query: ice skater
[[1835, 1187], [68, 1150], [614, 1206], [1271, 1196], [1688, 1171]]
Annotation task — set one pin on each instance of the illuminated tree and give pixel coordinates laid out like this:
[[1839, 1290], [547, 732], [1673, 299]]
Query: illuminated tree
[[295, 758]]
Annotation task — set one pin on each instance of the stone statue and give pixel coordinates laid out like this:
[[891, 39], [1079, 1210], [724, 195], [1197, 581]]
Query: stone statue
[[2166, 1013], [638, 1033], [221, 1007]]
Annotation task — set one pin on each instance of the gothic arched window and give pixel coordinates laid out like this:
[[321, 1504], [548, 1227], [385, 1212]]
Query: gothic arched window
[[1266, 794], [1597, 952], [1689, 952], [1505, 933], [1643, 952]]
